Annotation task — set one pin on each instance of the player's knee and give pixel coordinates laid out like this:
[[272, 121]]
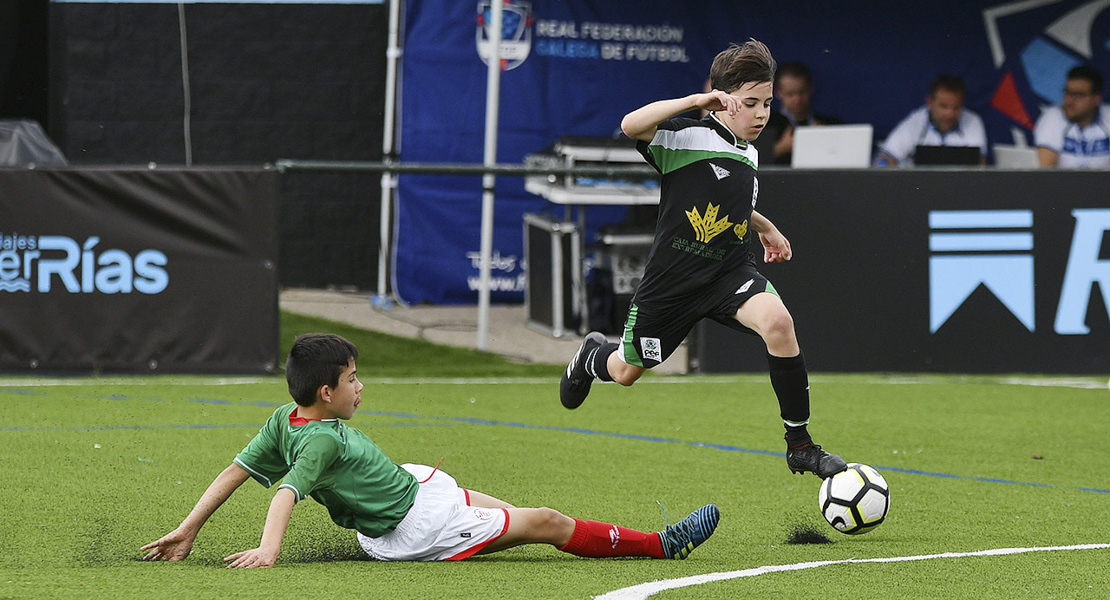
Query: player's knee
[[626, 374], [552, 521], [550, 515], [779, 326], [625, 379]]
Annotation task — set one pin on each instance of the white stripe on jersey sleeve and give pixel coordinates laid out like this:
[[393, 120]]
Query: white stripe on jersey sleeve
[[253, 472], [292, 487]]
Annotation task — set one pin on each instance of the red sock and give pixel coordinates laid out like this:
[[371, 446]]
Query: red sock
[[593, 539]]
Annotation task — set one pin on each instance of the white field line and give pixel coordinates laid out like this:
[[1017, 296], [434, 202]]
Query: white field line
[[1085, 384], [644, 590]]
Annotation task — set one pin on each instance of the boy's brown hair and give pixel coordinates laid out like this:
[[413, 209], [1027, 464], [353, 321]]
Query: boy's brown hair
[[742, 63], [316, 359]]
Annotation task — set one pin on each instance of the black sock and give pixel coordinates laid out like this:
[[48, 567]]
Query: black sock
[[791, 384], [597, 361]]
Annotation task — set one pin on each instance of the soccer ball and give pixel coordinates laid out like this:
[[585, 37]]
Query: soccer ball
[[855, 500]]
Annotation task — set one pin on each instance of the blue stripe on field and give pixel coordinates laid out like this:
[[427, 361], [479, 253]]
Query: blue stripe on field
[[626, 436], [579, 430], [986, 479], [724, 447]]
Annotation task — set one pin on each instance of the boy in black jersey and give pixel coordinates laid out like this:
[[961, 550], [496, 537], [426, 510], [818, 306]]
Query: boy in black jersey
[[701, 263]]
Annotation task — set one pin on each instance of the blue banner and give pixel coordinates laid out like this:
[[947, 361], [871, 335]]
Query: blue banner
[[575, 67]]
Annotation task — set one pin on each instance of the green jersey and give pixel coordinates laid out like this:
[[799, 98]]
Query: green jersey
[[339, 467]]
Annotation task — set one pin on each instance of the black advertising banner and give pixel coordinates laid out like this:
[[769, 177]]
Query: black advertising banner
[[946, 270], [166, 270]]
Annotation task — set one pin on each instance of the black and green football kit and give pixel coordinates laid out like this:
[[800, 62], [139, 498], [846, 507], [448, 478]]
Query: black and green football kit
[[701, 263], [339, 467]]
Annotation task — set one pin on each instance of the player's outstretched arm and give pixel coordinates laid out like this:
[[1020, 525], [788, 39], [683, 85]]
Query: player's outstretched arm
[[277, 521], [776, 248], [641, 123], [177, 544]]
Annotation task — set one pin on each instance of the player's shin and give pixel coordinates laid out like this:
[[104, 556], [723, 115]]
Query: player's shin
[[594, 539], [791, 384], [597, 363]]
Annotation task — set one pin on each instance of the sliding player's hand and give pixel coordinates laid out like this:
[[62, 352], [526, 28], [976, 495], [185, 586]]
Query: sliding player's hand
[[251, 559], [175, 545]]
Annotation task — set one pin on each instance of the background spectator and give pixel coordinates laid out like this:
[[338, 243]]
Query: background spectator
[[794, 93], [943, 121], [1076, 133]]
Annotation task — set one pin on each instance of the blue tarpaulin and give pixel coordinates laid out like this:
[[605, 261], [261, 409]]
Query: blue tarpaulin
[[575, 67]]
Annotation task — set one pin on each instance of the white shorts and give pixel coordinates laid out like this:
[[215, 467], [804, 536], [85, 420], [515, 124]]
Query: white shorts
[[441, 525]]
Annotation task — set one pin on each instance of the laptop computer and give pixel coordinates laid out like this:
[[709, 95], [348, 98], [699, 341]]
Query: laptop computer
[[1008, 156], [832, 146], [946, 155]]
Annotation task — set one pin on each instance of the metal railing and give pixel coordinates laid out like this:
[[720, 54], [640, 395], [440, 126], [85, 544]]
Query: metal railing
[[389, 169], [336, 166]]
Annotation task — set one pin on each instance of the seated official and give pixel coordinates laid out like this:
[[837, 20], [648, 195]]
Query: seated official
[[793, 94], [1075, 134], [943, 121]]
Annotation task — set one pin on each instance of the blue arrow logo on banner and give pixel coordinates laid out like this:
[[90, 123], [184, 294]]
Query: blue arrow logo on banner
[[1000, 261]]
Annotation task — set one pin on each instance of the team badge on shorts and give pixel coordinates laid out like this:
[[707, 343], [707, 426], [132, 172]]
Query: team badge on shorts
[[651, 349], [483, 514]]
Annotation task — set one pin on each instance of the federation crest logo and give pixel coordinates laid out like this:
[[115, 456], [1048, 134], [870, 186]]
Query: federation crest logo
[[1033, 58], [516, 33]]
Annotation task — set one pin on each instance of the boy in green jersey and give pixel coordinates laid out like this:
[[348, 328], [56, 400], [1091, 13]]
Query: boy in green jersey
[[400, 512]]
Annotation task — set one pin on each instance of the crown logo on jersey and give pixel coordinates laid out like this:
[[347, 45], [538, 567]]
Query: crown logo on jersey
[[719, 172], [708, 226]]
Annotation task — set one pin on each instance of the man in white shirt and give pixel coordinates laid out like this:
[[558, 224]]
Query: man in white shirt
[[943, 121], [1076, 133]]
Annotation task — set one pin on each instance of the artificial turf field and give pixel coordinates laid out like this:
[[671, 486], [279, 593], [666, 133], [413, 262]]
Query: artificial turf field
[[95, 467]]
